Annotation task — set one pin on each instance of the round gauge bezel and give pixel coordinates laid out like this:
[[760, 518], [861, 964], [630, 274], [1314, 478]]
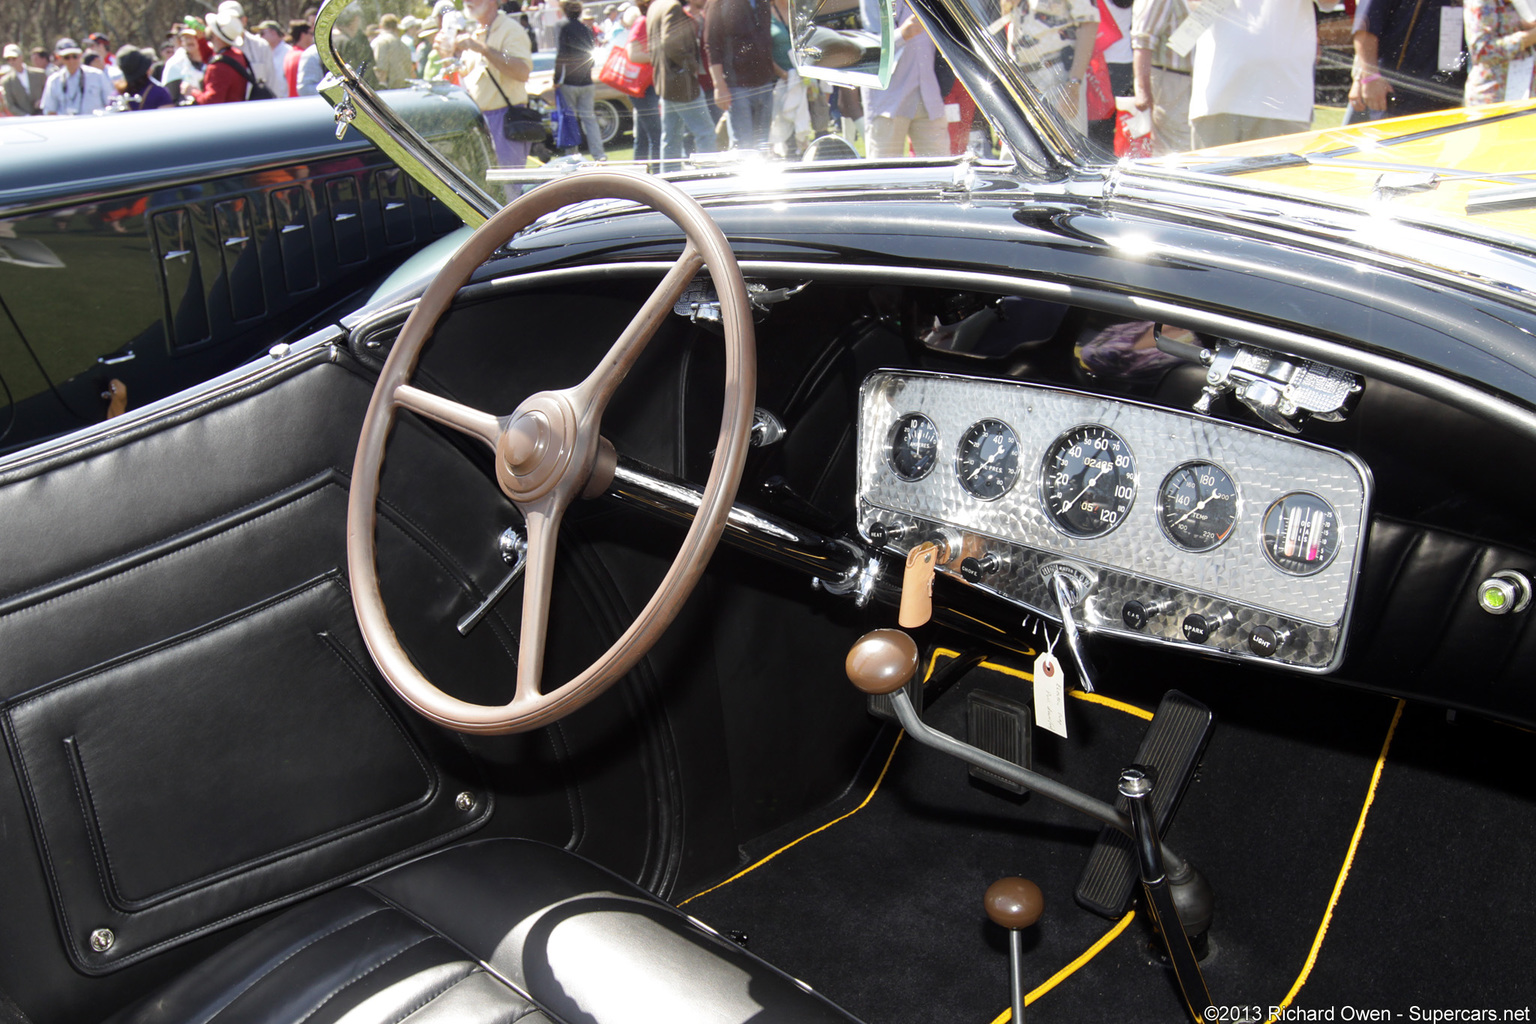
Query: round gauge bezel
[[1046, 506], [890, 446], [1264, 535], [987, 425], [1162, 494]]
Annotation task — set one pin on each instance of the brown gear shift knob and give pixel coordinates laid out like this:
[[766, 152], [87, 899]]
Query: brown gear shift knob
[[881, 661], [1014, 903]]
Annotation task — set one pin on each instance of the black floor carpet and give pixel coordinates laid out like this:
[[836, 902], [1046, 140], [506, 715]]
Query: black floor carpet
[[882, 911]]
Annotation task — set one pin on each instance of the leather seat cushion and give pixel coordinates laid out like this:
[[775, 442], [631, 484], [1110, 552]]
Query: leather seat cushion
[[495, 931]]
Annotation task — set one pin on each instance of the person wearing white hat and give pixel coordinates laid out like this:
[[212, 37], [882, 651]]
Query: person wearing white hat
[[254, 48], [227, 73], [76, 89], [23, 86]]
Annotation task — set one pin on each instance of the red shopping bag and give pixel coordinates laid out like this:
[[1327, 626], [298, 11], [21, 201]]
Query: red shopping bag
[[624, 74]]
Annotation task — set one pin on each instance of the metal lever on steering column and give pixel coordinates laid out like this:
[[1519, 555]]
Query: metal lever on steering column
[[513, 547]]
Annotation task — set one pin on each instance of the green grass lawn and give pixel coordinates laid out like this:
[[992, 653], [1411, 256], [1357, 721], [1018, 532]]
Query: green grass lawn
[[1327, 117]]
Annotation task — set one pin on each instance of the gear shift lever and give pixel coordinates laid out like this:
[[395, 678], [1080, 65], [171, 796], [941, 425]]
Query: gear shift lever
[[1015, 904]]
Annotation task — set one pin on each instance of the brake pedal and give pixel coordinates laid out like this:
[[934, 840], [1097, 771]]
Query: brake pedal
[[1001, 726], [1173, 743]]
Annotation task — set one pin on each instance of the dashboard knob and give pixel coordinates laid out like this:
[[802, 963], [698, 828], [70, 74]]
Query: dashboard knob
[[1504, 592], [1136, 614], [886, 533], [1266, 640], [974, 570], [1200, 628]]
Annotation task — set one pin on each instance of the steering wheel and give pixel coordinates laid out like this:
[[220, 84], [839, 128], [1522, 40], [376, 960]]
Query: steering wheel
[[549, 452]]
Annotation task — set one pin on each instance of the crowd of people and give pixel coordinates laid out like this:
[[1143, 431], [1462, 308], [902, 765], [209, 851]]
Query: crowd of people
[[1209, 71]]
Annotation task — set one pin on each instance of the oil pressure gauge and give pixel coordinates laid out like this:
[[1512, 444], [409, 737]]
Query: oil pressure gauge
[[987, 460]]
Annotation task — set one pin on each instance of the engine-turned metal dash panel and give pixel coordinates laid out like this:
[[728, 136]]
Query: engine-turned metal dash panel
[[1181, 529]]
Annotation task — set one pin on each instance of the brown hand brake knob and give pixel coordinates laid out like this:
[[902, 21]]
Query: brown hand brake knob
[[1014, 903], [881, 661]]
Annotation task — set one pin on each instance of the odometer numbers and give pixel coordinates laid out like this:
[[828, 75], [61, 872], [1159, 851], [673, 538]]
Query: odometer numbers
[[1088, 481], [912, 448], [1301, 534], [1197, 506], [987, 459]]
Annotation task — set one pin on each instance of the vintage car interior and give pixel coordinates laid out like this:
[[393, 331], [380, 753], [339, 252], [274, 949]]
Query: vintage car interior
[[893, 593]]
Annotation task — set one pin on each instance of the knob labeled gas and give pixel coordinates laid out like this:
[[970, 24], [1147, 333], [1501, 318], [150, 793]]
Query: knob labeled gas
[[1136, 614]]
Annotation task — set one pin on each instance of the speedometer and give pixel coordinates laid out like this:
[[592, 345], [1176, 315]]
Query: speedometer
[[1088, 481]]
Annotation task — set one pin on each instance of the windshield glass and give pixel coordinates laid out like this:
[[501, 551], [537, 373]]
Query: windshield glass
[[1407, 88]]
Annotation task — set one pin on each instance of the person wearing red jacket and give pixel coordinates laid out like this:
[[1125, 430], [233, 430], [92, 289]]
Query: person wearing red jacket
[[223, 82]]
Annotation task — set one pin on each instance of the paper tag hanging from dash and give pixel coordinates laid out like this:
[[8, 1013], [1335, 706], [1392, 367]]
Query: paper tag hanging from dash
[[1050, 695]]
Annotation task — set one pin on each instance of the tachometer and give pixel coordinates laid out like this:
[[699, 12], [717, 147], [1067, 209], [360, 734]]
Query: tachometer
[[1088, 481], [987, 460], [912, 447], [1198, 506], [1301, 534]]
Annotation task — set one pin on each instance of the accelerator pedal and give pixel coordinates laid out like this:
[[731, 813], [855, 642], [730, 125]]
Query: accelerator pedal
[[1173, 743]]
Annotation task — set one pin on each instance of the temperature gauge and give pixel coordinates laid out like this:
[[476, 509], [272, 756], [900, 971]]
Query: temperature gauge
[[1301, 534], [1198, 506]]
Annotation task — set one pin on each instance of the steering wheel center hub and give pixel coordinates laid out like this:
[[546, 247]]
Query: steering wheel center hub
[[538, 448]]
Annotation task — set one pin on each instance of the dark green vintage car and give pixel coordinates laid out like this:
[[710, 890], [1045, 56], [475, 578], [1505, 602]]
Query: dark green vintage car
[[892, 589], [142, 254]]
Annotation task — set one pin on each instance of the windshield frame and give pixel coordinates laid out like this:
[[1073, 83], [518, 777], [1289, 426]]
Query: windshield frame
[[358, 106]]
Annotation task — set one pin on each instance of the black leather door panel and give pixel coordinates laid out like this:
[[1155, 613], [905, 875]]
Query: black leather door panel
[[195, 733], [209, 776]]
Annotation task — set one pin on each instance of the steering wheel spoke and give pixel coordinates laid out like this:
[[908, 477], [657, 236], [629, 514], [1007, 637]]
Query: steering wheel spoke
[[548, 454], [449, 413], [593, 393], [543, 524]]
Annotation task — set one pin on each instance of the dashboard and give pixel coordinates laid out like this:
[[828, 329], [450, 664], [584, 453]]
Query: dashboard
[[1171, 527]]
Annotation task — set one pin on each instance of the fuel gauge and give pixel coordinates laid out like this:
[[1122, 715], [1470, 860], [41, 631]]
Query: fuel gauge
[[912, 448], [1301, 534]]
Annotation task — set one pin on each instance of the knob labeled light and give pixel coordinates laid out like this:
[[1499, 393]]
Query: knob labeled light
[[1266, 640]]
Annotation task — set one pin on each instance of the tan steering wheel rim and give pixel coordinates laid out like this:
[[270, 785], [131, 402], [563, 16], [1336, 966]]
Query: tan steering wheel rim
[[549, 453]]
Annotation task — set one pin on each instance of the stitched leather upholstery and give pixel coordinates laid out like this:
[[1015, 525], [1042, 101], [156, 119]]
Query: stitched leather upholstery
[[490, 932]]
